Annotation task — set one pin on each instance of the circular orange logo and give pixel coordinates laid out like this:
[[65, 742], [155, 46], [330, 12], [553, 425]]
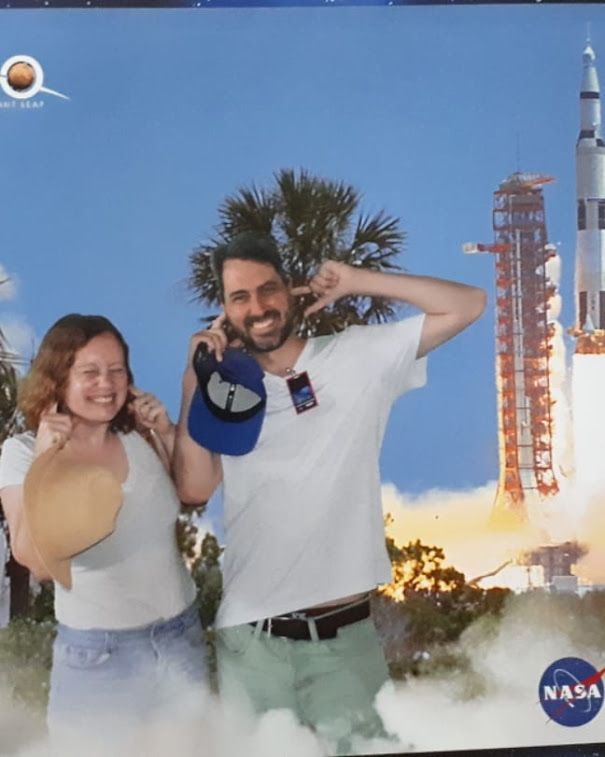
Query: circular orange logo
[[21, 76]]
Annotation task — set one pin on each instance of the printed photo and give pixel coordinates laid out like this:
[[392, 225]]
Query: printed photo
[[376, 233]]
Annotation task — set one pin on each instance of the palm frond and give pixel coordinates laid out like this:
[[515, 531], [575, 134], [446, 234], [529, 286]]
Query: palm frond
[[312, 219], [10, 419], [248, 210], [201, 281]]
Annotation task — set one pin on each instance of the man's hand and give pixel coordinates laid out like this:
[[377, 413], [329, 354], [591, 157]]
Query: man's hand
[[449, 305], [55, 428], [332, 281], [214, 338]]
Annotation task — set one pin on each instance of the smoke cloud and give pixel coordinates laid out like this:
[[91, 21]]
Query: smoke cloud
[[187, 730], [489, 701], [494, 704], [591, 567]]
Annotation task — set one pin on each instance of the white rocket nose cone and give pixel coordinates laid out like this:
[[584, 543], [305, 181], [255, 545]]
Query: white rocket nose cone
[[588, 54]]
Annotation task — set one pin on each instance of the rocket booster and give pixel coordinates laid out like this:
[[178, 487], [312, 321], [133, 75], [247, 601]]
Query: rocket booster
[[590, 190]]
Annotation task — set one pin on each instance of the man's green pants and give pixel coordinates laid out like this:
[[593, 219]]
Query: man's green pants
[[329, 684]]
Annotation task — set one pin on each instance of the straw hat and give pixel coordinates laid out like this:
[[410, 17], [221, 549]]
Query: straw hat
[[69, 506]]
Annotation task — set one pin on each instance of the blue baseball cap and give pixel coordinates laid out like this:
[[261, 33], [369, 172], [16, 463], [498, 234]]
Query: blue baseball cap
[[228, 406]]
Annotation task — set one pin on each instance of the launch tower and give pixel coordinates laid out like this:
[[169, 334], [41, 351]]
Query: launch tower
[[523, 346]]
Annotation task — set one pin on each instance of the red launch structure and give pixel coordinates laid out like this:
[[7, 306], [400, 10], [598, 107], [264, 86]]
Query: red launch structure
[[523, 345]]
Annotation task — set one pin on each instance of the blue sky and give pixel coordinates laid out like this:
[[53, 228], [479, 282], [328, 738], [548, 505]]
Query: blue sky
[[423, 109]]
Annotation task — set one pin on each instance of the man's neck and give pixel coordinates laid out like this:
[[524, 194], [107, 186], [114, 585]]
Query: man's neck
[[282, 360]]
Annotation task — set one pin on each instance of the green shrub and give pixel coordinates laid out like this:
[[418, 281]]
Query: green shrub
[[25, 661]]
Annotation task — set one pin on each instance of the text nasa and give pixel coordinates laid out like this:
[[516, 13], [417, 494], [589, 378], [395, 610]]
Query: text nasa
[[570, 693]]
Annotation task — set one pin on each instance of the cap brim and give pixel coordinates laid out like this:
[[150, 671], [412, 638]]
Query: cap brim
[[222, 436]]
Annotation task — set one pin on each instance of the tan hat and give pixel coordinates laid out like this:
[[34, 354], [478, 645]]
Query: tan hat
[[69, 505]]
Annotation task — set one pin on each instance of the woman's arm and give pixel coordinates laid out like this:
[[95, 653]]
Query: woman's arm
[[22, 547]]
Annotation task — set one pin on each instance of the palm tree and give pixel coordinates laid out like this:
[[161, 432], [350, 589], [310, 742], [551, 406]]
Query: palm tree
[[9, 418], [312, 219], [10, 423]]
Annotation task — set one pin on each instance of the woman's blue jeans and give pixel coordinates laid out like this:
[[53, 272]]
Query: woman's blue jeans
[[109, 685]]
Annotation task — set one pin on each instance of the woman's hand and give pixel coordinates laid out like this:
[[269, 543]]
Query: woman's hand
[[55, 428], [149, 412]]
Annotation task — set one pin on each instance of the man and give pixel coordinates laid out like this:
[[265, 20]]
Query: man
[[303, 521]]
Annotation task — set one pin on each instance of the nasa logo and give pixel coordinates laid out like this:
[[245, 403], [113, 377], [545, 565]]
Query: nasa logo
[[571, 691], [22, 77]]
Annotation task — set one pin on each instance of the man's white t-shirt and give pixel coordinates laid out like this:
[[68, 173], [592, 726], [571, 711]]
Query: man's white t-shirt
[[302, 511]]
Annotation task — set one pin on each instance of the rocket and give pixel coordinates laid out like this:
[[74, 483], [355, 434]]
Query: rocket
[[588, 376], [590, 192]]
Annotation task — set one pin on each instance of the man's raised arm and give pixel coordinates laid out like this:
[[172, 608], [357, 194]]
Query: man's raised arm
[[449, 306]]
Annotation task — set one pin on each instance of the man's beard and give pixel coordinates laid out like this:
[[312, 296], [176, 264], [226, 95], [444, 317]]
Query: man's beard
[[270, 342]]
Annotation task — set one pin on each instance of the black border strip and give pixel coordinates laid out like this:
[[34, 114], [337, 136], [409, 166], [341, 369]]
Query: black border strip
[[211, 4], [566, 750]]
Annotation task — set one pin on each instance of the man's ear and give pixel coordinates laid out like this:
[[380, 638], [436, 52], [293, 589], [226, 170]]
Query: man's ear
[[228, 329]]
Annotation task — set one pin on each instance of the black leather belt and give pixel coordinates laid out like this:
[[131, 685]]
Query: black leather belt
[[297, 625]]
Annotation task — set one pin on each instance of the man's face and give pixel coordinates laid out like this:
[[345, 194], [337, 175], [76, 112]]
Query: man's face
[[258, 304]]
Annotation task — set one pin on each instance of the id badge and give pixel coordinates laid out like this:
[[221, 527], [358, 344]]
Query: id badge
[[301, 391]]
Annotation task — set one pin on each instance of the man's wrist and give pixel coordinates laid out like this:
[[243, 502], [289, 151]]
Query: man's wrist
[[381, 284], [362, 282]]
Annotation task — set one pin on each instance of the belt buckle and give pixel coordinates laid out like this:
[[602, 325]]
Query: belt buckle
[[312, 629], [299, 615]]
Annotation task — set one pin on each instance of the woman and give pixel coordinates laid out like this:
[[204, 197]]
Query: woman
[[129, 639]]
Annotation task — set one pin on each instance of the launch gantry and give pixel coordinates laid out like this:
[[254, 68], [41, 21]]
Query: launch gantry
[[523, 345]]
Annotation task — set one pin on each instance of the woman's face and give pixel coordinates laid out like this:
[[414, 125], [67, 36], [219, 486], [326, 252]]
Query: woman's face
[[97, 384]]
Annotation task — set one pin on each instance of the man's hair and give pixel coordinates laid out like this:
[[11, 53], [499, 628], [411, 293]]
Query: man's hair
[[249, 245], [47, 379]]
